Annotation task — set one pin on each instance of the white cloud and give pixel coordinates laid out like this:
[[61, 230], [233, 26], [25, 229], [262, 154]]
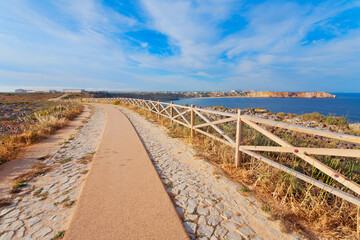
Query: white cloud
[[84, 41]]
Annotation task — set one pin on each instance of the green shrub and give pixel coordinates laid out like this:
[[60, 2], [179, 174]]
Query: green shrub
[[338, 121], [315, 116]]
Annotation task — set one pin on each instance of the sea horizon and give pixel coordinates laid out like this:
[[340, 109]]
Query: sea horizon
[[345, 105]]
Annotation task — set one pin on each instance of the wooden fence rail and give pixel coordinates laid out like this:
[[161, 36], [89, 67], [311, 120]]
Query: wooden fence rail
[[185, 115]]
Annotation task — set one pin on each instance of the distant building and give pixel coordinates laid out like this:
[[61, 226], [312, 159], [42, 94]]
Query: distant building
[[20, 91], [73, 90]]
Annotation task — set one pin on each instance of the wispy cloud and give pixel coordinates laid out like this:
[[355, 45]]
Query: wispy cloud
[[156, 44]]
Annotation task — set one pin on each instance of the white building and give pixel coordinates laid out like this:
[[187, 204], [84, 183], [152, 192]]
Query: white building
[[20, 91], [73, 90]]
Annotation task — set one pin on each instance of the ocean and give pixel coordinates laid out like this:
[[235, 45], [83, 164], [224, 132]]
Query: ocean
[[344, 105]]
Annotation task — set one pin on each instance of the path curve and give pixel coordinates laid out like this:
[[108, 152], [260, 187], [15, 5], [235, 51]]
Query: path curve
[[123, 196]]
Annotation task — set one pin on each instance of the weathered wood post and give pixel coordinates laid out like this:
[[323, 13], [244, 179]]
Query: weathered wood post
[[192, 120], [158, 109], [239, 138], [171, 112], [358, 222]]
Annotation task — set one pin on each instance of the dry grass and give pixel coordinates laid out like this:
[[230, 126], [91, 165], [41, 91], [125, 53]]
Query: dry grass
[[27, 97], [55, 116], [300, 207]]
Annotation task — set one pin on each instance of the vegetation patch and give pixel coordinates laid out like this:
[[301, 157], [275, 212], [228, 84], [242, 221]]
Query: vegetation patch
[[65, 160], [69, 203], [59, 235], [87, 158]]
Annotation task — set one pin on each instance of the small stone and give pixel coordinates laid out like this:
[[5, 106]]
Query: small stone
[[230, 225], [214, 220], [246, 231], [260, 220], [184, 192], [250, 199], [213, 238], [251, 209], [193, 201], [202, 211], [15, 225], [7, 235], [190, 208], [13, 214], [257, 238], [205, 230], [33, 220], [8, 220], [20, 233], [220, 231], [190, 227], [3, 227], [180, 211], [202, 220], [233, 236], [43, 232], [191, 217], [214, 211], [193, 194], [6, 210], [237, 220], [36, 228], [220, 206], [241, 202], [228, 214]]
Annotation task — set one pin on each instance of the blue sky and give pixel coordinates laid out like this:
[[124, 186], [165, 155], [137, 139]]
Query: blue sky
[[180, 45]]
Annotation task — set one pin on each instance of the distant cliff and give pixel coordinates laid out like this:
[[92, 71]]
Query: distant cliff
[[289, 94]]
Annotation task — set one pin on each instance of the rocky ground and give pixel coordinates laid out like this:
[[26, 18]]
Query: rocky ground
[[43, 207], [211, 206]]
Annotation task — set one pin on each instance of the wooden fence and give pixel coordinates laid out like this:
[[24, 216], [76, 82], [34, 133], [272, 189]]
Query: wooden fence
[[185, 116]]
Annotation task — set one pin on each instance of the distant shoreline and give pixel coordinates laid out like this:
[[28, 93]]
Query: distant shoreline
[[255, 97]]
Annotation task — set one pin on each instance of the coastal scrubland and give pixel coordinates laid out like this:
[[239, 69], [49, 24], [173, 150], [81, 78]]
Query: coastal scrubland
[[301, 207], [25, 119]]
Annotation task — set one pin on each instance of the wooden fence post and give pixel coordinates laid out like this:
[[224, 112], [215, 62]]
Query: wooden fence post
[[158, 109], [239, 138], [358, 222], [192, 120], [171, 112]]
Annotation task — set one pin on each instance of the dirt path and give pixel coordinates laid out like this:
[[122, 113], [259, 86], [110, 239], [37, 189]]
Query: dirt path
[[123, 196], [59, 98], [43, 207], [211, 206], [31, 154]]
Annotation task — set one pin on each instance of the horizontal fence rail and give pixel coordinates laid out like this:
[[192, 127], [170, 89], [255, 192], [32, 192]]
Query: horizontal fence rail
[[185, 116]]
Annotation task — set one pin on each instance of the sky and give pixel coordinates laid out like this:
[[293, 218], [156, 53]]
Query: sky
[[180, 45]]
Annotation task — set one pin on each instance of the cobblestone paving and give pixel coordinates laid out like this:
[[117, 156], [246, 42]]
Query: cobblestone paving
[[210, 206], [43, 208]]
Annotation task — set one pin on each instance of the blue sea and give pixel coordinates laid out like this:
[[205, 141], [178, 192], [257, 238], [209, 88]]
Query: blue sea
[[344, 105]]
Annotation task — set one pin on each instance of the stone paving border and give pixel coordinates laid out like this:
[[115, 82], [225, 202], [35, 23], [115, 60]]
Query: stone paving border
[[43, 208], [210, 206]]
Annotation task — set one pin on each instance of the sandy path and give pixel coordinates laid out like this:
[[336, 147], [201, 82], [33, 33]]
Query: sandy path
[[123, 197], [211, 206], [14, 168]]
